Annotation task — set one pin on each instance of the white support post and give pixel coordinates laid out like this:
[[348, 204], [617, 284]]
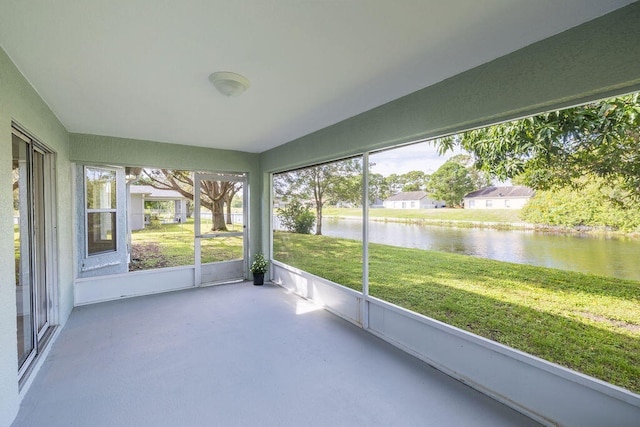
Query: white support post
[[365, 241], [197, 276]]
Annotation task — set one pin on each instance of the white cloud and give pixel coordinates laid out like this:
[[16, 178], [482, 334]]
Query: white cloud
[[422, 157]]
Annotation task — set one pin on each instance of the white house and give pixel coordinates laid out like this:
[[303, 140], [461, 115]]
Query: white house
[[138, 194], [511, 197], [412, 200]]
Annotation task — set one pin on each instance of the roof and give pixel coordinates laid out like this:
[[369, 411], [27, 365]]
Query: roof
[[153, 193], [409, 195], [509, 191]]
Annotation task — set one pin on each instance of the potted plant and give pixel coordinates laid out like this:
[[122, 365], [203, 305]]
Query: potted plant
[[258, 268]]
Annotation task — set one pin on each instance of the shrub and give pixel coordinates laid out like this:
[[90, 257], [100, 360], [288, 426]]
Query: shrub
[[154, 223], [591, 206], [297, 218]]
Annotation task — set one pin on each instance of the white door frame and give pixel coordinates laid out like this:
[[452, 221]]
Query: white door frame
[[197, 178]]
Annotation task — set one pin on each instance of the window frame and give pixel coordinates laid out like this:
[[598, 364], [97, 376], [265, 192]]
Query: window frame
[[87, 211]]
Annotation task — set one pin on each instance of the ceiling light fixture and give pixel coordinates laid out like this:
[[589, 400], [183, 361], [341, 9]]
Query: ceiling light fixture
[[229, 84]]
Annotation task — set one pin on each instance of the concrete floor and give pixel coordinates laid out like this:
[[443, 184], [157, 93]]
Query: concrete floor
[[239, 355]]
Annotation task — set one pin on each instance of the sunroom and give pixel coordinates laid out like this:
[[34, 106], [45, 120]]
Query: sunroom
[[97, 98]]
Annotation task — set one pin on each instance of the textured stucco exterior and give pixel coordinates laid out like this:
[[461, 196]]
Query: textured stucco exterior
[[19, 102]]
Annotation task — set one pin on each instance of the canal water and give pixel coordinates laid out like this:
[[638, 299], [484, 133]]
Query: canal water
[[607, 256]]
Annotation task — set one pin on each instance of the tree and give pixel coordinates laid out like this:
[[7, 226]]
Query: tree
[[559, 148], [450, 183], [347, 188], [479, 178], [321, 183], [378, 189], [414, 181], [394, 184], [213, 192]]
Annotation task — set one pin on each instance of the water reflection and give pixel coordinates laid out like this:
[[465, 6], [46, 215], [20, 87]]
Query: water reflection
[[607, 256]]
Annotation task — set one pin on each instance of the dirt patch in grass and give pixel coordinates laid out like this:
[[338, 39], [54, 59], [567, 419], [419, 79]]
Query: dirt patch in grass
[[618, 323], [147, 255]]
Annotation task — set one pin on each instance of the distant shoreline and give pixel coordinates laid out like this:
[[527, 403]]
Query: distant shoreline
[[494, 225]]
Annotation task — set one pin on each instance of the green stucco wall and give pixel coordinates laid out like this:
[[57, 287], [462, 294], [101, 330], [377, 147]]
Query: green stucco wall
[[19, 102]]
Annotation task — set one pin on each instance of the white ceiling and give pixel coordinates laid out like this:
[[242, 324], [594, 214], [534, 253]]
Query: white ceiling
[[139, 68]]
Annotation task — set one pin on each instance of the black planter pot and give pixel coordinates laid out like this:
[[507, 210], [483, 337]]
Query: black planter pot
[[258, 279]]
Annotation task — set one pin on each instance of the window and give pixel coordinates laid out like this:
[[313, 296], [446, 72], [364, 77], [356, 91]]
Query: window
[[100, 186], [413, 204], [306, 231], [526, 290]]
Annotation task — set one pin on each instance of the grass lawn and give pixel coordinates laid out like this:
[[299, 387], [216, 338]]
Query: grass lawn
[[446, 214], [585, 322], [171, 245]]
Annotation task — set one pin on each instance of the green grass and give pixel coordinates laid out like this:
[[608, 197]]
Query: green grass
[[584, 322], [171, 245], [446, 214]]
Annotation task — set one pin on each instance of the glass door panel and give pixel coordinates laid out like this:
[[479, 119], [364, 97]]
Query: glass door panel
[[22, 242]]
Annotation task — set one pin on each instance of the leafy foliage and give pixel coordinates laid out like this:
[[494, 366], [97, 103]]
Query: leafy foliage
[[450, 183], [154, 223], [378, 189], [259, 264], [479, 178], [557, 149], [593, 206], [410, 181], [414, 181], [297, 218]]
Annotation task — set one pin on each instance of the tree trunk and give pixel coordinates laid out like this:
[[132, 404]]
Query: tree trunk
[[218, 216], [228, 203], [319, 220]]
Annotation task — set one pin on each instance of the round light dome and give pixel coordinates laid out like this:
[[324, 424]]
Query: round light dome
[[228, 83]]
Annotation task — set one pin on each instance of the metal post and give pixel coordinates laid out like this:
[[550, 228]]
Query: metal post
[[197, 276], [365, 241]]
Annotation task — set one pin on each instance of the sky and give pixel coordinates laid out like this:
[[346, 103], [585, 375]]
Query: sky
[[422, 157]]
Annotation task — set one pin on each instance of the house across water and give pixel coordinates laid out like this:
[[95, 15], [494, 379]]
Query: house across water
[[510, 197], [412, 200]]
